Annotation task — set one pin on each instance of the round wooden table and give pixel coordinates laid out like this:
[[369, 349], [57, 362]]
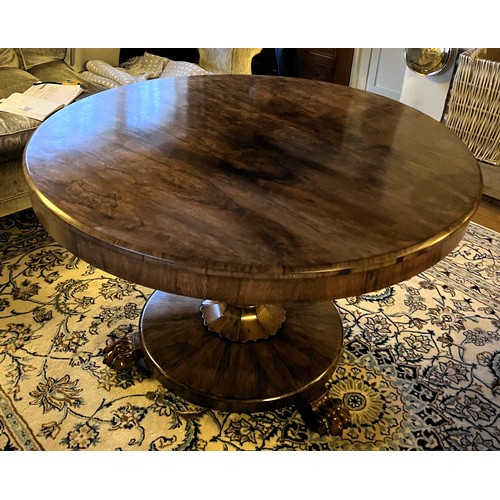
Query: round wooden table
[[249, 203]]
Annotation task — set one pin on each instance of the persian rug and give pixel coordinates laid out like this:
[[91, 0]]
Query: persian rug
[[420, 368]]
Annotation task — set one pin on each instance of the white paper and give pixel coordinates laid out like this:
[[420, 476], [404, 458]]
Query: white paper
[[62, 94], [40, 101]]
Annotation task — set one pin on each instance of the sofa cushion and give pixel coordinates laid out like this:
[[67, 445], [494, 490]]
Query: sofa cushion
[[15, 130], [34, 57], [14, 80], [9, 59], [59, 71], [13, 189]]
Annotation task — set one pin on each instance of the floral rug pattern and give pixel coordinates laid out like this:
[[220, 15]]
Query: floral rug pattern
[[420, 368]]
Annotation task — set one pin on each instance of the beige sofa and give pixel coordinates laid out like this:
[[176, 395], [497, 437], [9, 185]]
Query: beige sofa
[[20, 68]]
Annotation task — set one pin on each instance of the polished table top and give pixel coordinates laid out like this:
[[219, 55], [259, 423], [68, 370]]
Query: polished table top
[[252, 188]]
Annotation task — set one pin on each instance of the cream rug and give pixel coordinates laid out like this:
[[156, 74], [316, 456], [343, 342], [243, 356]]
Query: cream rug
[[420, 369]]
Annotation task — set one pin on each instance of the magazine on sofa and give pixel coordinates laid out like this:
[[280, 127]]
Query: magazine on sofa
[[40, 100]]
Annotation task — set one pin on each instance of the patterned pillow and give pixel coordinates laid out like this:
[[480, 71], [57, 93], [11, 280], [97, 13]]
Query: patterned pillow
[[149, 65], [182, 68]]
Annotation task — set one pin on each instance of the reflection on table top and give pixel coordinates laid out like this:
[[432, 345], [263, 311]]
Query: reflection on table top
[[252, 176]]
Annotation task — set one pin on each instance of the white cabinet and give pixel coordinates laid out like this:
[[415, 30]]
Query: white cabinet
[[380, 71], [386, 73]]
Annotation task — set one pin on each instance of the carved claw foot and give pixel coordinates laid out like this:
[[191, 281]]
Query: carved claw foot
[[326, 415], [123, 353]]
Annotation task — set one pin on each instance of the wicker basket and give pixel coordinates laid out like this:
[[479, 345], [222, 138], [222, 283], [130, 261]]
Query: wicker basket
[[474, 103]]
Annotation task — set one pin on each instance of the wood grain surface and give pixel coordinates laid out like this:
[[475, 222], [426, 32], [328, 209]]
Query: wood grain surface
[[229, 376], [251, 189]]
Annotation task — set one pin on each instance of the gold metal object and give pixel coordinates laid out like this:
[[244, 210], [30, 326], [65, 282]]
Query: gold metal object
[[242, 324], [427, 62]]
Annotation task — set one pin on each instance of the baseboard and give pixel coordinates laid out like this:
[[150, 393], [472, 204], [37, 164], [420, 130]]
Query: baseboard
[[14, 204], [491, 180]]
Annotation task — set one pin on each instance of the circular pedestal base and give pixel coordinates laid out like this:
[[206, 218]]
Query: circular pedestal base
[[199, 366]]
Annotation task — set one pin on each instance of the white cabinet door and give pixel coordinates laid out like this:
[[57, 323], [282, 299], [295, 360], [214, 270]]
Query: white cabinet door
[[386, 72]]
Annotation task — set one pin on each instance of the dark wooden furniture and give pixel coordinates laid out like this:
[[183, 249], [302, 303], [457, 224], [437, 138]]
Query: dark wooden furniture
[[249, 203], [327, 65], [189, 55]]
